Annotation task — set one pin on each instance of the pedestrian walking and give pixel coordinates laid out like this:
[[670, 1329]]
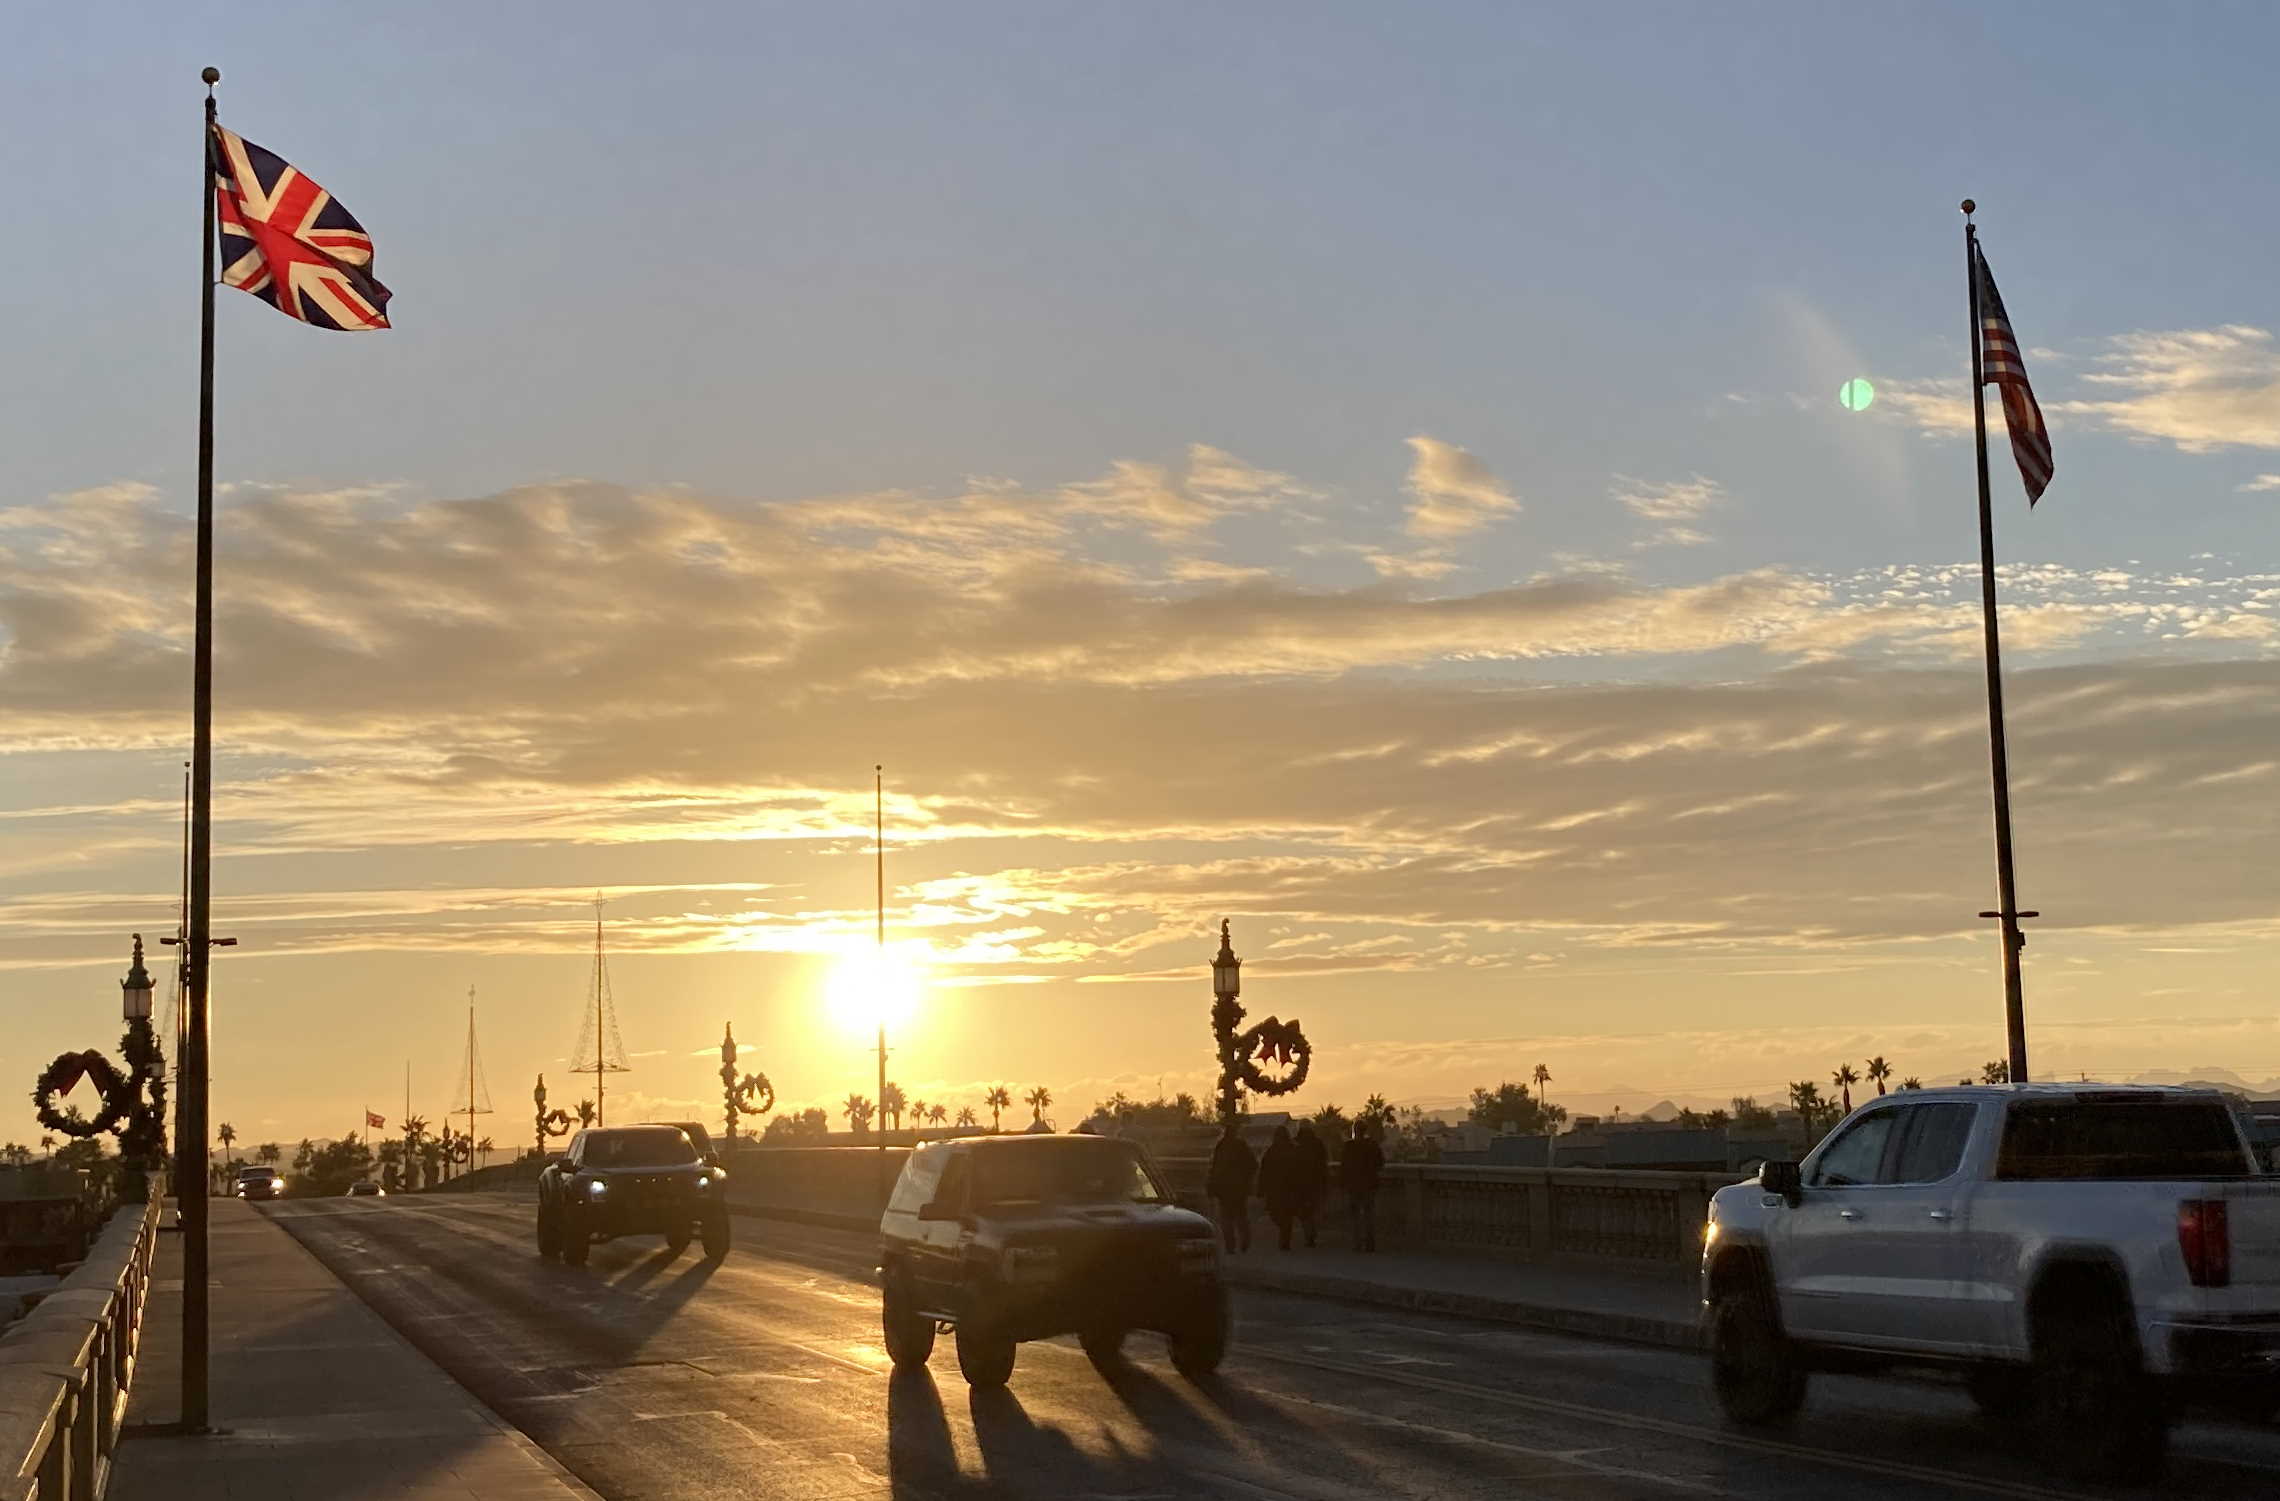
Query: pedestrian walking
[[1313, 1178], [1229, 1184], [1278, 1183], [1359, 1168]]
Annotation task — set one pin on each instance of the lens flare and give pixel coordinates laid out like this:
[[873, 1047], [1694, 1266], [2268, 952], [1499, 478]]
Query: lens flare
[[869, 988], [1856, 395]]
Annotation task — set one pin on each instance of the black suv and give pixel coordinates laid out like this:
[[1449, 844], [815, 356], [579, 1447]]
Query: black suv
[[1007, 1238], [631, 1180]]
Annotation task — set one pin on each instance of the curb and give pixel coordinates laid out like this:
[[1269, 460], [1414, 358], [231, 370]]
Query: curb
[[1631, 1328]]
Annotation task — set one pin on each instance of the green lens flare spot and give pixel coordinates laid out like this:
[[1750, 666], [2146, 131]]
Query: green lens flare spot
[[1856, 395]]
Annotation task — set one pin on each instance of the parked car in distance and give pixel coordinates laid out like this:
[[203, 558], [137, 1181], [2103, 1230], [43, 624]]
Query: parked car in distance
[[631, 1180], [259, 1183], [365, 1188], [2087, 1256], [1011, 1238]]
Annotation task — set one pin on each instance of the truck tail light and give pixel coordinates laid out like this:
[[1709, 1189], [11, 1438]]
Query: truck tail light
[[2204, 1235]]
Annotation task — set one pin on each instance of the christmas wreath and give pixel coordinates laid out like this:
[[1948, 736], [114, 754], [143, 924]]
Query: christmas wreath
[[63, 1076]]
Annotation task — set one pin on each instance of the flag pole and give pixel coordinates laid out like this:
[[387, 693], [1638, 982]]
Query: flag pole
[[2006, 883], [192, 1196]]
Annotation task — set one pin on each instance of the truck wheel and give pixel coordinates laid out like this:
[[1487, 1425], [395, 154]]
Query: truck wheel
[[549, 1235], [2096, 1413], [1201, 1344], [909, 1334], [985, 1358], [2001, 1391], [571, 1226], [1754, 1369], [677, 1241], [1103, 1347], [716, 1237]]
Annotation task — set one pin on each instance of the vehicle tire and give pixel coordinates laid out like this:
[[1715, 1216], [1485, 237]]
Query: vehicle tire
[[575, 1241], [985, 1357], [677, 1241], [2004, 1392], [1103, 1347], [909, 1334], [2097, 1415], [716, 1237], [549, 1234], [1199, 1345], [1754, 1369]]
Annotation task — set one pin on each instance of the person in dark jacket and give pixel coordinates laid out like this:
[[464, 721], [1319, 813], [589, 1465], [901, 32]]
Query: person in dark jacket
[[1278, 1183], [1359, 1168], [1229, 1184], [1313, 1178]]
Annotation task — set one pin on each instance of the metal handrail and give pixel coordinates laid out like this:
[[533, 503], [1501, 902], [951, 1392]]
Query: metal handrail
[[67, 1366]]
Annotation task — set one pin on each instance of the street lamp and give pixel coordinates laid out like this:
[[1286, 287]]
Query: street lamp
[[1240, 1053], [1226, 970], [135, 990]]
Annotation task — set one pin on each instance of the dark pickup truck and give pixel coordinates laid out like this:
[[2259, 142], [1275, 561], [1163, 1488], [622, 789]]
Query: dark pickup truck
[[1012, 1238], [631, 1180]]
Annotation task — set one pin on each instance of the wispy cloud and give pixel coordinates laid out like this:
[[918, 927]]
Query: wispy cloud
[[2201, 389], [1451, 492], [1675, 506]]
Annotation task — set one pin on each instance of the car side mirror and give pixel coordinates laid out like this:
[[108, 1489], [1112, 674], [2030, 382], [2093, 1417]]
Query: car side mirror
[[937, 1212], [563, 1163], [1783, 1178]]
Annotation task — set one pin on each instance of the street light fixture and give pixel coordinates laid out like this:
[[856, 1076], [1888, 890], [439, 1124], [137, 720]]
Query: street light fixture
[[135, 990], [1226, 970]]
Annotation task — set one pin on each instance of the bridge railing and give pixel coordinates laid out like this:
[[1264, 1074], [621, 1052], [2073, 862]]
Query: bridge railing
[[65, 1368]]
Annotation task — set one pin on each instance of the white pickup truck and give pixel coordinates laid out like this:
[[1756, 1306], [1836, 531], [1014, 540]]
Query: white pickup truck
[[2088, 1255]]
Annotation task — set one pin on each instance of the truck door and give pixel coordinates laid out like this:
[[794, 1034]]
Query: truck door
[[1912, 1238], [1820, 1270]]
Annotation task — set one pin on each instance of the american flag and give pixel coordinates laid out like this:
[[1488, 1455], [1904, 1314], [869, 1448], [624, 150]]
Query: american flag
[[374, 1121], [290, 243], [2001, 366]]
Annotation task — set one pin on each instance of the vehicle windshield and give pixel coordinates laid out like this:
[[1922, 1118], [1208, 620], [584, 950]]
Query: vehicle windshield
[[660, 1148], [1065, 1170], [256, 1172], [2146, 1137]]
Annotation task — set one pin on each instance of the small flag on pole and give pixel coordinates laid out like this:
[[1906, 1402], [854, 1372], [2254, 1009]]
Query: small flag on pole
[[374, 1122], [291, 243], [2001, 367]]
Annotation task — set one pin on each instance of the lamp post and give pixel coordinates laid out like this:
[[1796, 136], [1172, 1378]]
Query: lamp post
[[131, 1105], [1241, 1053], [741, 1094]]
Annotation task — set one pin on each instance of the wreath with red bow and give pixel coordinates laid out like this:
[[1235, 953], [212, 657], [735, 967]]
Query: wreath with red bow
[[63, 1076]]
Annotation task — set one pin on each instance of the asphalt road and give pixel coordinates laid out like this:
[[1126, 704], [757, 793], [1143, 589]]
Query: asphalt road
[[762, 1377]]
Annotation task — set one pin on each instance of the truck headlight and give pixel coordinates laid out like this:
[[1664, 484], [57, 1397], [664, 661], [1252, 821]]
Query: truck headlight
[[703, 1181], [1031, 1263], [278, 1184], [597, 1189]]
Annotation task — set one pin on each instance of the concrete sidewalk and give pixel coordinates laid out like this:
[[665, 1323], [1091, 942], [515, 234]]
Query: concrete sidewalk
[[314, 1395]]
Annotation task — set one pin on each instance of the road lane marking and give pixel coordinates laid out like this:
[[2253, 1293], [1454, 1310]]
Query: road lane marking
[[1887, 1469]]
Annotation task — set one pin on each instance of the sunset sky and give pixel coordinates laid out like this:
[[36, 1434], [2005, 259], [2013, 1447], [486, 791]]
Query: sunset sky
[[1373, 473]]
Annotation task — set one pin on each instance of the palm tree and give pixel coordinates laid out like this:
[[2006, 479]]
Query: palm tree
[[858, 1113], [1037, 1099], [1880, 1071], [996, 1102], [965, 1115], [1911, 1082], [268, 1153], [891, 1107], [485, 1148], [47, 1145], [917, 1114], [1805, 1099], [1844, 1078], [228, 1134], [937, 1113], [586, 1112]]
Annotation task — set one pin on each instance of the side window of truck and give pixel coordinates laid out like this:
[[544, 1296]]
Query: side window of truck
[[915, 1187], [1932, 1139], [952, 1193], [1856, 1156]]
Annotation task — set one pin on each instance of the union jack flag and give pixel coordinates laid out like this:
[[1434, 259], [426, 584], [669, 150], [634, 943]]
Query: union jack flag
[[290, 243], [2001, 366]]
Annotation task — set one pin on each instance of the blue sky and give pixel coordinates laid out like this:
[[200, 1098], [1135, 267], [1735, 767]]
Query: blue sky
[[1438, 357]]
